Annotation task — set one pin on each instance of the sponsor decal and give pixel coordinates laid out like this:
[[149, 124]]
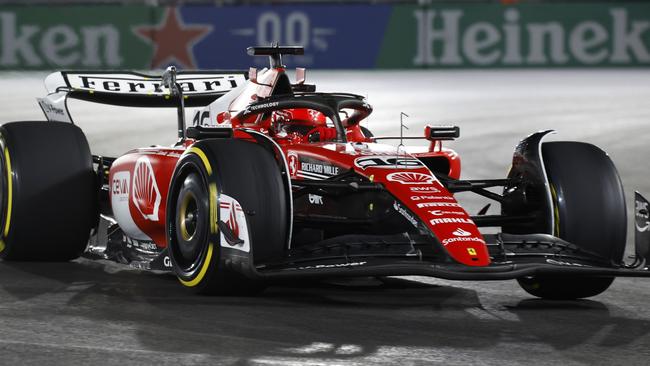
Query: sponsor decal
[[450, 220], [319, 168], [167, 262], [425, 189], [139, 244], [336, 265], [461, 232], [145, 193], [438, 204], [120, 198], [173, 154], [316, 169], [120, 185], [410, 178], [420, 198], [379, 161], [263, 106], [50, 108], [448, 241], [563, 263], [292, 162], [139, 84], [54, 106], [443, 213], [404, 212], [315, 199]]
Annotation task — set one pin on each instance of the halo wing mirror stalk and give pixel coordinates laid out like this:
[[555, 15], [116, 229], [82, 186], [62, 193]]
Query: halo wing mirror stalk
[[438, 133]]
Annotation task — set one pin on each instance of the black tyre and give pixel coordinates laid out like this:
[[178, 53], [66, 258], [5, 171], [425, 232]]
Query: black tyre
[[589, 211], [48, 191], [209, 171]]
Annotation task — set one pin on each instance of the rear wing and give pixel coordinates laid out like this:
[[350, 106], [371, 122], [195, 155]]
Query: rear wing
[[133, 89]]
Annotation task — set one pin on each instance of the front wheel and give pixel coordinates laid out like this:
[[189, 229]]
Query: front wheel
[[227, 212], [560, 288], [588, 210]]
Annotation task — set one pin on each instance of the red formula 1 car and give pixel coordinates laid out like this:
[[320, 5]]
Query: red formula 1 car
[[274, 180]]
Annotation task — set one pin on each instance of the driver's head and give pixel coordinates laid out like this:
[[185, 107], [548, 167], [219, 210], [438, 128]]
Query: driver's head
[[298, 116]]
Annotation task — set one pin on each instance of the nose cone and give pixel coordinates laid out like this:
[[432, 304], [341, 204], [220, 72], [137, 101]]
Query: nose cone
[[419, 191]]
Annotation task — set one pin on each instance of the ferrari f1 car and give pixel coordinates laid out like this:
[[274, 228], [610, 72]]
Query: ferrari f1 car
[[273, 180]]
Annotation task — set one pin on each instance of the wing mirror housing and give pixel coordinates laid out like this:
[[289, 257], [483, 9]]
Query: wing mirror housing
[[252, 75], [438, 133]]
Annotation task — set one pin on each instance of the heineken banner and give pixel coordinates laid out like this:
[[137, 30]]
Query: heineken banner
[[451, 35]]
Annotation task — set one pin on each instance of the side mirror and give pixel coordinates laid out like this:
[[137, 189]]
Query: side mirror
[[437, 133], [252, 75], [223, 117], [301, 75]]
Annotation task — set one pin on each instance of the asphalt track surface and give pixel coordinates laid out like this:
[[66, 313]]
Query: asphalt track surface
[[87, 312]]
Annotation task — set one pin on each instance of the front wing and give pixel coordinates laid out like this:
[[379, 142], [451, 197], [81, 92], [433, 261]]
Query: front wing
[[513, 256]]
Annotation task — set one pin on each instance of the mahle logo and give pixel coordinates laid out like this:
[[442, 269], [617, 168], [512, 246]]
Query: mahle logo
[[444, 39], [33, 45]]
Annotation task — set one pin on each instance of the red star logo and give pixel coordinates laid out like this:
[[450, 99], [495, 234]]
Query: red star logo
[[173, 40]]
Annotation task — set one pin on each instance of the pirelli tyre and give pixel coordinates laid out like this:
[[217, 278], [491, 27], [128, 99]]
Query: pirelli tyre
[[589, 211], [48, 191], [227, 210]]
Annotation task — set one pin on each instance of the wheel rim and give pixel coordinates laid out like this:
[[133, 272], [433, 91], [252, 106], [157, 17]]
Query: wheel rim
[[188, 215], [191, 224], [4, 177]]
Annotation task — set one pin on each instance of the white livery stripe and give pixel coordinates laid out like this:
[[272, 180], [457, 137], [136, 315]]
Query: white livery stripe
[[312, 175]]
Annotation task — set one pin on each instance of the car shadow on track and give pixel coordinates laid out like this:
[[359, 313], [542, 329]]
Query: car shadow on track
[[306, 320]]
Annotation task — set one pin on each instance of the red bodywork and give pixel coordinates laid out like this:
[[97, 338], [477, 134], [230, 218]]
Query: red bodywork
[[140, 179]]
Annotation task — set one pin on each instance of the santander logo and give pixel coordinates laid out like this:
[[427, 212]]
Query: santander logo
[[145, 193], [410, 178], [461, 232]]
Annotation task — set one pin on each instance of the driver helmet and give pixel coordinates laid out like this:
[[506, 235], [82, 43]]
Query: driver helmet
[[297, 117]]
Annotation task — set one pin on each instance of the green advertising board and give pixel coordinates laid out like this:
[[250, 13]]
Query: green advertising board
[[530, 35], [44, 37], [466, 35]]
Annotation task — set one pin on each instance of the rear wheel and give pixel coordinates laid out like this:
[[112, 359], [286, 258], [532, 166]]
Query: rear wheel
[[48, 192], [589, 211]]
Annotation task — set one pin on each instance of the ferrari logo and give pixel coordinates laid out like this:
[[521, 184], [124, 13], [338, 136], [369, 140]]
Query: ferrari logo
[[471, 251]]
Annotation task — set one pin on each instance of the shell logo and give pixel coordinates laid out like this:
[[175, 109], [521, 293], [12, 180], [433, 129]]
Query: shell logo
[[461, 232], [145, 192], [410, 178]]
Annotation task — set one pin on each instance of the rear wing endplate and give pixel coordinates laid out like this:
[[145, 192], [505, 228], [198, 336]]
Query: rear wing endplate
[[133, 89]]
